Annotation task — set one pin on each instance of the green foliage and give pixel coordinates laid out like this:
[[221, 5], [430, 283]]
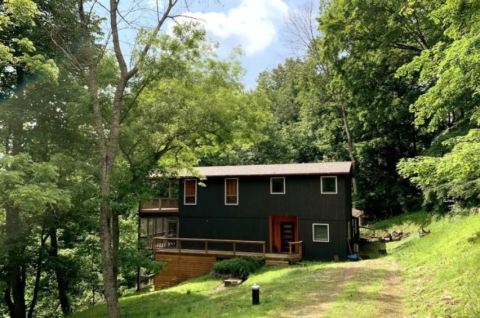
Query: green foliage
[[29, 186], [450, 74], [456, 175], [240, 267]]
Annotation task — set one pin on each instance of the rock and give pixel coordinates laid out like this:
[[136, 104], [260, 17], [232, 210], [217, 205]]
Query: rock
[[232, 282]]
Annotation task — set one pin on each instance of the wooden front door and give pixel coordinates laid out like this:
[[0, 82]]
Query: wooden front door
[[287, 234], [283, 229]]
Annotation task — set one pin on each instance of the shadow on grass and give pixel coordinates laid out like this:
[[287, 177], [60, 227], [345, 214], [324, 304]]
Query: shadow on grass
[[373, 250], [158, 304]]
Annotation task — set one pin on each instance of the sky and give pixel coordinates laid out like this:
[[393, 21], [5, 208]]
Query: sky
[[258, 27]]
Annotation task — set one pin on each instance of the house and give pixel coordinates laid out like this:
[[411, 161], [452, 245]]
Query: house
[[278, 203], [280, 209]]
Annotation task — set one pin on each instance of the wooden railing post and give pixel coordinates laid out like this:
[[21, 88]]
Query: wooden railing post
[[234, 248], [206, 246]]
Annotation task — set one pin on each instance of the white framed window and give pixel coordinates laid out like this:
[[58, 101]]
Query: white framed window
[[321, 232], [277, 185], [328, 184], [231, 191], [190, 192]]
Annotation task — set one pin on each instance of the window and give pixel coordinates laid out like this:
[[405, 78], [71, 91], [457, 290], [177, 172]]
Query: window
[[320, 232], [231, 191], [190, 192], [328, 185], [277, 185]]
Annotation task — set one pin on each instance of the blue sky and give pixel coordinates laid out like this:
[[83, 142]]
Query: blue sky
[[258, 26]]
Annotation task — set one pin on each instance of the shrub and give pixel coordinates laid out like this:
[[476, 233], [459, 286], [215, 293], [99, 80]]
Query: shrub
[[237, 267]]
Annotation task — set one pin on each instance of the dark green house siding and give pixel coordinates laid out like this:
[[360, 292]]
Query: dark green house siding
[[249, 220]]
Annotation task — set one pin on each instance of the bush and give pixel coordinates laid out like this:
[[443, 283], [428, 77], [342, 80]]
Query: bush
[[237, 267]]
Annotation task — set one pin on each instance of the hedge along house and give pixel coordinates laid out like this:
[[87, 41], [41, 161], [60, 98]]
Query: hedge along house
[[308, 203]]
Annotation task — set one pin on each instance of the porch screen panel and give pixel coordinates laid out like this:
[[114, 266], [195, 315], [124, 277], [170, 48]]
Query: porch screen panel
[[231, 191]]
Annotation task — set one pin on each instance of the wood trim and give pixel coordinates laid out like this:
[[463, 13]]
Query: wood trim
[[225, 191], [328, 233], [185, 191], [274, 229], [321, 185]]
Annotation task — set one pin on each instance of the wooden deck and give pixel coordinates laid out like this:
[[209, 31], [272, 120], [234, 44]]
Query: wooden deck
[[230, 254], [185, 263], [174, 246]]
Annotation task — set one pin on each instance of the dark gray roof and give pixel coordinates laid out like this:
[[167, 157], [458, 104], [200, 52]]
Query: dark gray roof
[[341, 167]]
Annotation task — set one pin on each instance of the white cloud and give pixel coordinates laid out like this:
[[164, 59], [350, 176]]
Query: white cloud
[[252, 24]]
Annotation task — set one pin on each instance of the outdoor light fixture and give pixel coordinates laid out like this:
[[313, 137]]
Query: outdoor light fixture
[[255, 294]]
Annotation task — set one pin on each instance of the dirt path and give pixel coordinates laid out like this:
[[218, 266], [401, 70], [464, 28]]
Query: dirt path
[[370, 288]]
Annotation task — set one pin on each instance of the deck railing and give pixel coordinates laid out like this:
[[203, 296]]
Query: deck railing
[[159, 204], [295, 248], [367, 231], [204, 246], [176, 243]]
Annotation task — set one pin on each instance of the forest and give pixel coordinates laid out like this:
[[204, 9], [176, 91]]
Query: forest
[[391, 85]]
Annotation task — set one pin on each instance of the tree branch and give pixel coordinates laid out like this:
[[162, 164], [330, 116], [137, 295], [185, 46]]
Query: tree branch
[[146, 48]]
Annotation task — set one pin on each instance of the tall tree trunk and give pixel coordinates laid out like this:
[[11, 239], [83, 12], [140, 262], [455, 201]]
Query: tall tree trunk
[[108, 142], [8, 300], [15, 270], [108, 257], [62, 284], [351, 152], [14, 230], [38, 272]]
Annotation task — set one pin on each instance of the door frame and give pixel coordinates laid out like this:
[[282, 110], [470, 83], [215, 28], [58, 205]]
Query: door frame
[[274, 222]]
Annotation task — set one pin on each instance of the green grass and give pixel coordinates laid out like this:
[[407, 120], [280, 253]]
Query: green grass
[[198, 298], [440, 274], [441, 271]]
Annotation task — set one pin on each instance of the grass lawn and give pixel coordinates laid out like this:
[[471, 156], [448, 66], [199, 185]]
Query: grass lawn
[[306, 290], [441, 271], [434, 276], [199, 297]]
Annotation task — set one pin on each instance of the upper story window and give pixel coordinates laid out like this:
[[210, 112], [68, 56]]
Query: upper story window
[[190, 192], [277, 185], [328, 184], [231, 191]]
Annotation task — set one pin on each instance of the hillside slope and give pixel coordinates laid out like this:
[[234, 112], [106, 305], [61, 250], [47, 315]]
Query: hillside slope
[[441, 271]]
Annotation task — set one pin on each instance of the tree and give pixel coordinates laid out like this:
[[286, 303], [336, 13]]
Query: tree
[[364, 43], [448, 74], [107, 120]]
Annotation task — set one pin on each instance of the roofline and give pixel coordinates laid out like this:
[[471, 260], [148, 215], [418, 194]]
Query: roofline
[[202, 176]]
